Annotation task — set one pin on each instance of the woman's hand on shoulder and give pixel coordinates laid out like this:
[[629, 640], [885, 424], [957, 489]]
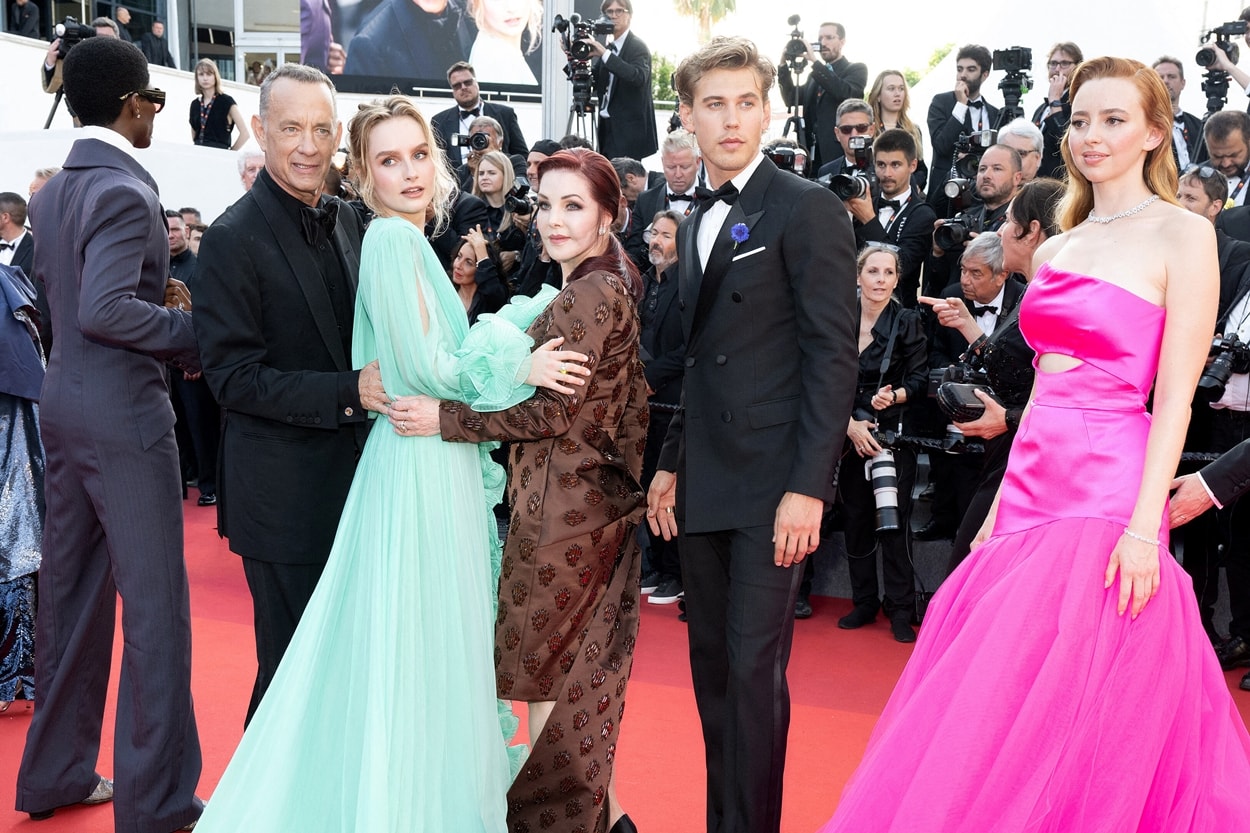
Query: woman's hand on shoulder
[[556, 369]]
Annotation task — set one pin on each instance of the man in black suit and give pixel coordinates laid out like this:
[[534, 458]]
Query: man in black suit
[[855, 119], [114, 510], [834, 79], [1222, 538], [156, 48], [405, 40], [622, 72], [24, 19], [1187, 144], [900, 215], [17, 247], [1052, 116], [747, 468], [469, 105], [1226, 135], [122, 16], [963, 110], [679, 192], [277, 286]]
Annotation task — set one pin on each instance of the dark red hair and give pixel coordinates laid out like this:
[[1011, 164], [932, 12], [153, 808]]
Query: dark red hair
[[605, 192]]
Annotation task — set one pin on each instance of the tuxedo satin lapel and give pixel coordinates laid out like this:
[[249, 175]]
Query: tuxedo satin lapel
[[306, 270], [348, 255], [721, 258], [689, 270]]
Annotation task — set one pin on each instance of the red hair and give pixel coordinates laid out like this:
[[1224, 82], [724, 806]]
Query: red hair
[[605, 192]]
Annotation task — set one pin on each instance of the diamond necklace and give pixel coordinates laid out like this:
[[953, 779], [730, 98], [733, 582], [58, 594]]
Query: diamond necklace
[[1094, 218]]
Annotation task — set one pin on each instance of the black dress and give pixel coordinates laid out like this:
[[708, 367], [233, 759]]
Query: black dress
[[211, 124]]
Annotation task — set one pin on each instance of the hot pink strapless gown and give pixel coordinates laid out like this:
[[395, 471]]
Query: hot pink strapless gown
[[1029, 704]]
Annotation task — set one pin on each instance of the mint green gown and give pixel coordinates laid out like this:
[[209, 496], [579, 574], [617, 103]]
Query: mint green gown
[[383, 716]]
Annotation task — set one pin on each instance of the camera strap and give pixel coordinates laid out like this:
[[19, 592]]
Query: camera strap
[[889, 345]]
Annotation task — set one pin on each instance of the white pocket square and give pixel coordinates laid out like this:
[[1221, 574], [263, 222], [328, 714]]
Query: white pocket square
[[748, 254]]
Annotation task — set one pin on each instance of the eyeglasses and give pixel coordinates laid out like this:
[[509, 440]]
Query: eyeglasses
[[157, 97], [616, 12], [1060, 64], [877, 244], [470, 82], [848, 129]]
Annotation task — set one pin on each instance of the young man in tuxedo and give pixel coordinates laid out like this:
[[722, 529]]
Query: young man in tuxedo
[[1187, 128], [962, 110], [462, 79], [274, 309], [900, 215], [747, 468], [622, 72]]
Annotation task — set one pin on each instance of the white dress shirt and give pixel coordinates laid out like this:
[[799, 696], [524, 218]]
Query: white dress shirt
[[712, 220]]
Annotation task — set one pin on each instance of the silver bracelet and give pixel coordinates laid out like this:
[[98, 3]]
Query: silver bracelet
[[1152, 541]]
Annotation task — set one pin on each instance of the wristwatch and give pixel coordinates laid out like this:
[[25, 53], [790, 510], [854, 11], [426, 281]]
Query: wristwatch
[[1058, 102]]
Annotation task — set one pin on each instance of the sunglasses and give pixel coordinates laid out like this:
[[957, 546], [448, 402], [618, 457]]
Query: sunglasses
[[848, 129], [461, 84], [877, 244], [157, 97], [1203, 171]]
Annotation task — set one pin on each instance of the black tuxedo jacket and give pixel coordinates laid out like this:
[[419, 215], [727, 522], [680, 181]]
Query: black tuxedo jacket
[[1053, 124], [467, 211], [771, 358], [633, 132], [911, 229], [946, 345], [1235, 222], [1194, 142], [944, 131], [654, 200], [662, 337], [1234, 260], [1229, 476], [156, 50], [293, 425], [827, 87], [447, 122]]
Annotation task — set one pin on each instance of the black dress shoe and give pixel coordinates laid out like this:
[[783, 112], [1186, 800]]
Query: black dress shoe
[[681, 608], [1245, 683], [901, 628], [1234, 652], [207, 500], [623, 825], [934, 530], [857, 618], [802, 609]]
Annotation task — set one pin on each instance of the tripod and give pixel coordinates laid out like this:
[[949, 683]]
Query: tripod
[[584, 122], [1013, 88], [795, 117]]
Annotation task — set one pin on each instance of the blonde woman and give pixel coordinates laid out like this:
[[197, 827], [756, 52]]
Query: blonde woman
[[213, 113], [382, 715], [890, 100], [508, 31]]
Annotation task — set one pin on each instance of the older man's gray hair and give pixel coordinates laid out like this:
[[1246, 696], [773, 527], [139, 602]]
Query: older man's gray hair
[[986, 248], [296, 72], [1025, 129], [678, 141]]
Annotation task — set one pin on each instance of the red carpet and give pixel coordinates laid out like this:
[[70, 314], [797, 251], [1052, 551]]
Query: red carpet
[[839, 682]]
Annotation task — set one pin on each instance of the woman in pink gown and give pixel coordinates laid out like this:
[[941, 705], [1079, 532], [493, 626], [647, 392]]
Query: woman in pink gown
[[1062, 681]]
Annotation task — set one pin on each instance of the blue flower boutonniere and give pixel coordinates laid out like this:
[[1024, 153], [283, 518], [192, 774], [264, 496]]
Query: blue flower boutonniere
[[739, 233]]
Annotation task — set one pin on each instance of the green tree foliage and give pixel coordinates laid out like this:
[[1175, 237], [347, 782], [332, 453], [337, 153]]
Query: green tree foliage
[[913, 75], [662, 69], [706, 12]]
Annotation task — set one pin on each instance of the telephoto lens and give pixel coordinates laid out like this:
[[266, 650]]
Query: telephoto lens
[[883, 475]]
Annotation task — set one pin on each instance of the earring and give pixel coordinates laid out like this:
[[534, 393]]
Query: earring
[[603, 230]]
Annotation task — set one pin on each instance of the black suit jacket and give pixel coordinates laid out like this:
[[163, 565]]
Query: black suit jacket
[[1053, 124], [771, 357], [1194, 140], [293, 424], [447, 122], [829, 85], [467, 211], [911, 229], [944, 131], [663, 340], [1235, 222], [633, 132], [947, 344], [1229, 476], [1234, 260], [156, 50], [654, 200]]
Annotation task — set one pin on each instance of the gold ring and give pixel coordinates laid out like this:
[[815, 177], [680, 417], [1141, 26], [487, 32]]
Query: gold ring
[[564, 369], [668, 509]]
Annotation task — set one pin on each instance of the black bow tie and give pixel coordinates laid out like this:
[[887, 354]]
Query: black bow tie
[[978, 311], [475, 112], [1179, 119], [319, 223], [895, 204], [4, 246], [727, 192], [686, 197], [978, 104]]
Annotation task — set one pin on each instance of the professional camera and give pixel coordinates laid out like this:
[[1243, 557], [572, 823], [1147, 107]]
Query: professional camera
[[518, 199], [1232, 355], [795, 52], [479, 141], [71, 33], [1016, 63], [860, 180], [969, 148], [1215, 80], [882, 472], [1222, 34], [955, 232], [574, 32]]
